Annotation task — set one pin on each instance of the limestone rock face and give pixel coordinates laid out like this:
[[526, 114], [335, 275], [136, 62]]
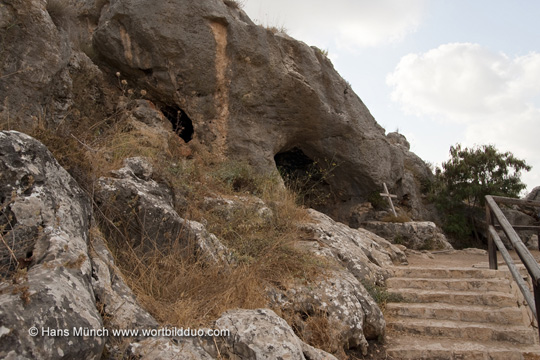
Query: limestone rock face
[[351, 313], [534, 195], [33, 68], [414, 235], [261, 334], [250, 93], [366, 255], [145, 208], [45, 220]]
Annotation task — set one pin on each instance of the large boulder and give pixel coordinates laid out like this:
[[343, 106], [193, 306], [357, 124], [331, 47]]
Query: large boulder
[[146, 211], [423, 235], [33, 68], [339, 301], [366, 255], [46, 283], [260, 335], [248, 92]]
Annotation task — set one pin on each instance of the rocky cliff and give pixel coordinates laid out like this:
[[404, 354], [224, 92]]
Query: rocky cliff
[[172, 120]]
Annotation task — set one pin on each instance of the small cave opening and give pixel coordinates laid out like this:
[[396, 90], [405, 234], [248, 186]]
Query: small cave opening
[[304, 176], [182, 124]]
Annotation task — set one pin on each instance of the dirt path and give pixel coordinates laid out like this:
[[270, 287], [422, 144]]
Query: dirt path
[[476, 258]]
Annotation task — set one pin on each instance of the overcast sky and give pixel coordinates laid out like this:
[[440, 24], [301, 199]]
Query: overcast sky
[[440, 71]]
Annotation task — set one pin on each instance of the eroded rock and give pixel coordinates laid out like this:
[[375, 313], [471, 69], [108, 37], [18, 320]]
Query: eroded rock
[[342, 302], [250, 93], [414, 235], [261, 334], [366, 255], [45, 222], [145, 210]]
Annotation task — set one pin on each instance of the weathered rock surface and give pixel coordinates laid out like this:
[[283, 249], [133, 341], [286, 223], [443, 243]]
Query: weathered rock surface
[[517, 217], [145, 209], [366, 255], [250, 93], [45, 219], [261, 334], [414, 235], [342, 300], [228, 207], [118, 303], [33, 68], [170, 349], [416, 175], [534, 195]]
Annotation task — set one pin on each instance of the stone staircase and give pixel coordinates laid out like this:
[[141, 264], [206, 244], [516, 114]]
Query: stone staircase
[[457, 313]]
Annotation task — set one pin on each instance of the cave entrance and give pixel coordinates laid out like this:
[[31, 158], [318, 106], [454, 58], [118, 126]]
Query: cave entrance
[[182, 124], [305, 177]]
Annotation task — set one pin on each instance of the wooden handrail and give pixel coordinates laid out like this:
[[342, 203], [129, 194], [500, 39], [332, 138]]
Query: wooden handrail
[[494, 213]]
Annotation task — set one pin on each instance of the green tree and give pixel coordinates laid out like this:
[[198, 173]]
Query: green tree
[[472, 173]]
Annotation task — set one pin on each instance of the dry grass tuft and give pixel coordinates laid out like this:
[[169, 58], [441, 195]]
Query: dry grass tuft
[[397, 219], [234, 4], [177, 289]]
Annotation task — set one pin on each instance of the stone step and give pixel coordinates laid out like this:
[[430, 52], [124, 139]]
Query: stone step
[[440, 311], [466, 331], [488, 298], [449, 273], [470, 284], [423, 348]]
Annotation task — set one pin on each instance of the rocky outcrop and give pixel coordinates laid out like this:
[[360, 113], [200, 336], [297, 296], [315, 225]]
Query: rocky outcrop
[[342, 302], [44, 254], [249, 93], [414, 235], [416, 177], [261, 334], [145, 210], [366, 255], [238, 88], [33, 68]]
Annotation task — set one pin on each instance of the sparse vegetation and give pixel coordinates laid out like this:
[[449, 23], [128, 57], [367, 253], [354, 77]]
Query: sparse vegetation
[[381, 295], [235, 4], [463, 182], [177, 289], [323, 52]]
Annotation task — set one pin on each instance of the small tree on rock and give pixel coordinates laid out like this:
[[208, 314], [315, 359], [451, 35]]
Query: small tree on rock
[[471, 174]]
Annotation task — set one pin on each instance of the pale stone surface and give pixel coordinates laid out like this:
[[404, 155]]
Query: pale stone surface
[[169, 349], [146, 210], [452, 312], [352, 314], [49, 217], [252, 93], [261, 334], [423, 235], [366, 255]]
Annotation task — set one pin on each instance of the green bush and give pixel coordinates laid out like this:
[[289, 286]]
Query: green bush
[[462, 183]]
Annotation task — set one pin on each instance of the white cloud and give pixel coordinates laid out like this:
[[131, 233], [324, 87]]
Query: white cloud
[[494, 97], [349, 23]]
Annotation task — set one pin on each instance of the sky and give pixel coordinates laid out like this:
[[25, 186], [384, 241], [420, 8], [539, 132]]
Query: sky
[[440, 72]]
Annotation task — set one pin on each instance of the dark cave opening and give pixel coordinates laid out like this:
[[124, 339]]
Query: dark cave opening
[[293, 163], [304, 176], [182, 124]]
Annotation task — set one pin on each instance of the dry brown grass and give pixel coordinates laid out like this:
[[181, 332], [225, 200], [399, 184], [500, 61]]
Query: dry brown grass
[[187, 292], [402, 218], [176, 289]]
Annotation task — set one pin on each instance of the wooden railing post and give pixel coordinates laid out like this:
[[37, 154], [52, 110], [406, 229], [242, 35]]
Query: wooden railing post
[[492, 249], [536, 291]]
